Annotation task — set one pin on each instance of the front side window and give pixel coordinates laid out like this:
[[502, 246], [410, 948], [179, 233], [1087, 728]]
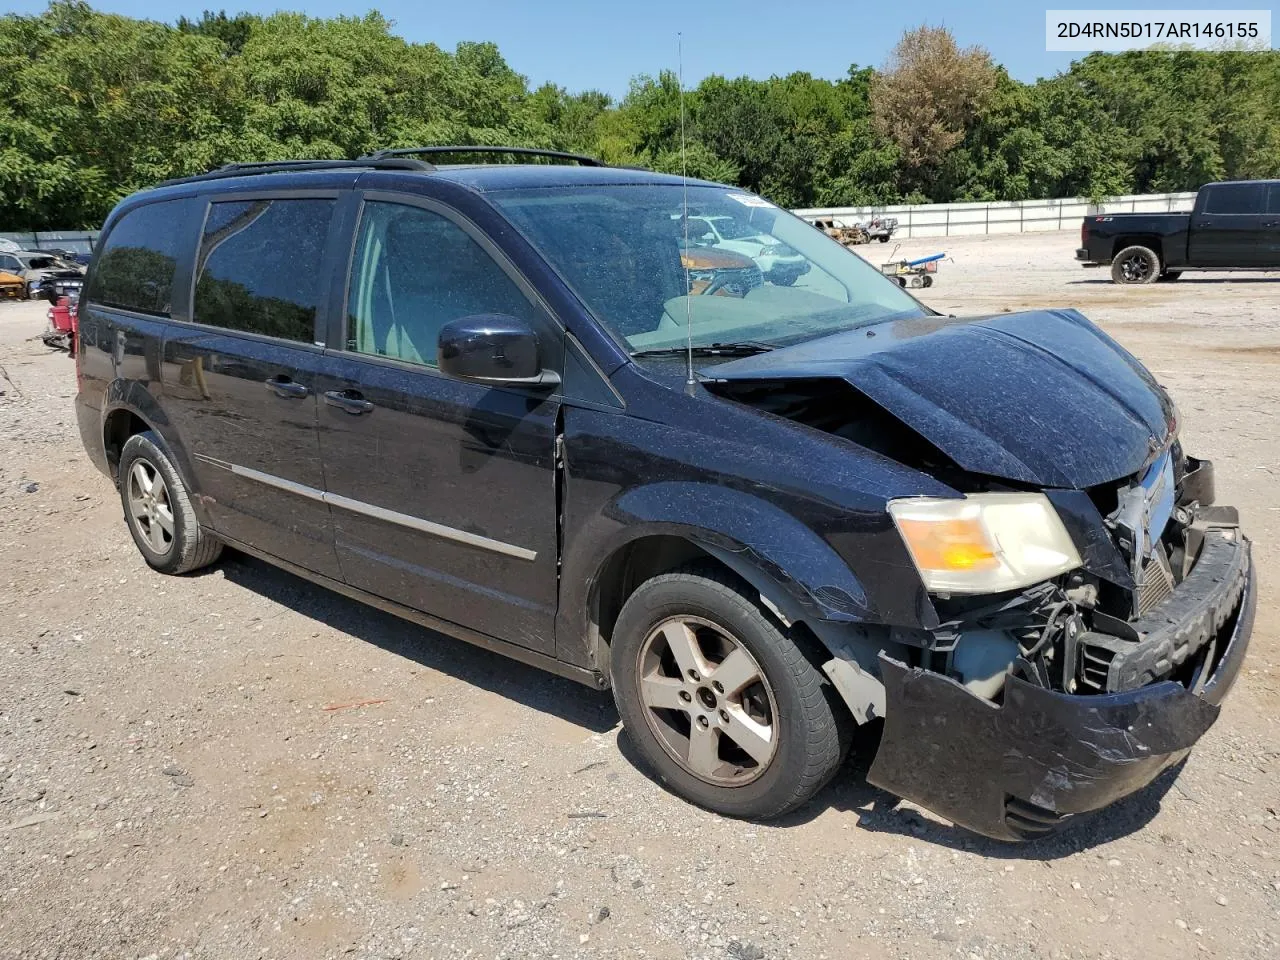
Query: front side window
[[1235, 198], [415, 271], [259, 269], [762, 275], [136, 264]]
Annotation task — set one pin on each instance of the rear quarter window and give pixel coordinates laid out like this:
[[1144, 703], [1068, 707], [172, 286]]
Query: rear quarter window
[[137, 263]]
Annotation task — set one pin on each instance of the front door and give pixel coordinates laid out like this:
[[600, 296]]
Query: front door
[[443, 492], [240, 380]]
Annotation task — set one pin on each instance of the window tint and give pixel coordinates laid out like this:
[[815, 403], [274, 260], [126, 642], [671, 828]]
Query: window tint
[[1235, 198], [136, 265], [259, 267], [414, 271], [1273, 198]]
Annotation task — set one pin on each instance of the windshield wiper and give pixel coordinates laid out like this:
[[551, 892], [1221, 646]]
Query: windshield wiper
[[745, 348]]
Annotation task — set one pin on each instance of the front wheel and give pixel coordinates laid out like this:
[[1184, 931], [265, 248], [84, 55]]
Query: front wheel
[[719, 701], [1136, 264], [784, 279]]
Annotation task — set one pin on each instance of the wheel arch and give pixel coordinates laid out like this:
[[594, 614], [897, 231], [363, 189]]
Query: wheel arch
[[1148, 240], [129, 407]]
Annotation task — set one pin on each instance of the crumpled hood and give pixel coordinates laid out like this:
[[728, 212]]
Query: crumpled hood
[[1042, 397]]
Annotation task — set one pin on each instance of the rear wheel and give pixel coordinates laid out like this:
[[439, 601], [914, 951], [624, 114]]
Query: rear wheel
[[1136, 264], [720, 702], [158, 511]]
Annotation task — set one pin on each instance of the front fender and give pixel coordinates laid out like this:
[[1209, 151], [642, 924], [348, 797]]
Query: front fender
[[806, 578]]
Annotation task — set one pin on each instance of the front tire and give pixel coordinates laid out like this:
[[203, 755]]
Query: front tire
[[158, 511], [721, 704], [1135, 264]]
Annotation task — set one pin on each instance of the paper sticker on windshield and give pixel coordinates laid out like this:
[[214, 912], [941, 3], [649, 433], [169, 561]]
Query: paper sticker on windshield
[[747, 200]]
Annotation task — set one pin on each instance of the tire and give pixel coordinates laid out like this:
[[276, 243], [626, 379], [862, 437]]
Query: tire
[[786, 712], [786, 280], [185, 546], [1134, 265], [1170, 275], [883, 239]]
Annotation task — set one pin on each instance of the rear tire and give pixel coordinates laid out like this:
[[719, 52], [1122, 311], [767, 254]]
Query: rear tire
[[756, 745], [1135, 264], [158, 510]]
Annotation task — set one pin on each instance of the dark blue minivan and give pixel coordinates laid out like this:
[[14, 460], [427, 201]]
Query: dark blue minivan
[[540, 407]]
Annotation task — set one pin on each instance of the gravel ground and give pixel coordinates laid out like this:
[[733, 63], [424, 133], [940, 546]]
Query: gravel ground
[[239, 764]]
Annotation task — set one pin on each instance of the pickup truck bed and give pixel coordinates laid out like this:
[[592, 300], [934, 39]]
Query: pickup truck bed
[[1233, 226]]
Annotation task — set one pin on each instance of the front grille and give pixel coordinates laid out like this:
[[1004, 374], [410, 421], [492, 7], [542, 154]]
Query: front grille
[[1029, 820], [1095, 666]]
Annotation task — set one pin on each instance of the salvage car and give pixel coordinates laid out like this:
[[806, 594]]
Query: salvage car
[[1232, 226], [488, 399], [33, 266]]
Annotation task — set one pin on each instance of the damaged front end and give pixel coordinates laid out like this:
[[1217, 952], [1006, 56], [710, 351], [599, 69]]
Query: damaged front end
[[1025, 709]]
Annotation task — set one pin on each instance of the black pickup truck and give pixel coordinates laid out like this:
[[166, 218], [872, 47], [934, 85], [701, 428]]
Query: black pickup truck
[[1233, 226]]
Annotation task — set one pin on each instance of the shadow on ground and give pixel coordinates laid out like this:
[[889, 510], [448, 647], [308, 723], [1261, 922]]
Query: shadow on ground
[[1181, 281], [850, 792], [516, 681]]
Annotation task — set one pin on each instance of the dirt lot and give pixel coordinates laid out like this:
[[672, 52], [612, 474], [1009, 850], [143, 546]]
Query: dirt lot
[[182, 774]]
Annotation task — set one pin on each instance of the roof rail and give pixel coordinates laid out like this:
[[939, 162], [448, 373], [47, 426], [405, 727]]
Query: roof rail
[[477, 148], [296, 166]]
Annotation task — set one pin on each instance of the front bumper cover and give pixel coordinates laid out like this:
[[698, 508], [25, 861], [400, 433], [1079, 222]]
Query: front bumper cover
[[1016, 770]]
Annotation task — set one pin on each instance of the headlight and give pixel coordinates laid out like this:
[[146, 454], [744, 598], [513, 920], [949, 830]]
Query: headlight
[[986, 542]]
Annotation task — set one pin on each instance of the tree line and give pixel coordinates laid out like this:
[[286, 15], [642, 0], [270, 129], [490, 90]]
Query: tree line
[[94, 106]]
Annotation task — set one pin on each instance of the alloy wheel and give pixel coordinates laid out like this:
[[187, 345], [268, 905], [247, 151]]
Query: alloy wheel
[[149, 506], [1136, 268], [707, 701]]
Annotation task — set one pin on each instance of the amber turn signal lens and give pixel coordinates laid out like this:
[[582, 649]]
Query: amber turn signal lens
[[959, 544]]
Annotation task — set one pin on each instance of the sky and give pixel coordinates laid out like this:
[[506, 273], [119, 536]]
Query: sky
[[595, 44]]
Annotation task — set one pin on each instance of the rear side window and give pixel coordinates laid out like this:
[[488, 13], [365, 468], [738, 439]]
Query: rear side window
[[136, 265], [259, 267], [1235, 198]]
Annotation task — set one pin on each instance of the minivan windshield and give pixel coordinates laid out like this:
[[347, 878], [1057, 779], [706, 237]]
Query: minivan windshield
[[768, 277]]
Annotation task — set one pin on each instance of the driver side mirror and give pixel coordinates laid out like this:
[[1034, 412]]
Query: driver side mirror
[[492, 348]]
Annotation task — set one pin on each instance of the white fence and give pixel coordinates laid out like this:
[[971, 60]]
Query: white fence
[[1018, 216], [920, 220]]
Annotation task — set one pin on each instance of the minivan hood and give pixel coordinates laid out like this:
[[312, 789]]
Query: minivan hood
[[1042, 397]]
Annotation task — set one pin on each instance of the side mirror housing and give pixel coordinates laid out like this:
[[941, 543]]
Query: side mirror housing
[[492, 348]]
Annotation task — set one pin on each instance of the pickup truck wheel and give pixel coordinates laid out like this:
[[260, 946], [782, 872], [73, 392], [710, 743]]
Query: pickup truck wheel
[[157, 508], [1170, 275], [720, 702], [1136, 264]]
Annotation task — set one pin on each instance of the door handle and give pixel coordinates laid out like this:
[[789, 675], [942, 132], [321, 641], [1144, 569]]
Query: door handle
[[284, 387], [349, 401]]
